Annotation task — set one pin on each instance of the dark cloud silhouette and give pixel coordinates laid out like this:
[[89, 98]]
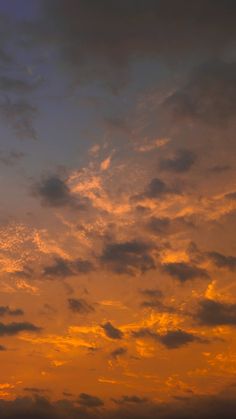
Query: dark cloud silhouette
[[158, 306], [54, 192], [20, 115], [213, 406], [231, 196], [154, 301], [86, 400], [5, 58], [209, 95], [159, 225], [216, 313], [79, 305], [130, 400], [2, 348], [98, 39], [172, 339], [9, 84], [151, 293], [128, 257], [156, 189], [63, 268], [111, 331], [180, 163], [118, 352], [7, 311], [184, 271], [222, 261], [219, 168], [11, 329], [10, 158], [35, 390]]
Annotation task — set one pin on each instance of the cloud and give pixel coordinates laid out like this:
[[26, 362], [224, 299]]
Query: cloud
[[128, 257], [180, 163], [111, 331], [222, 261], [116, 353], [2, 348], [54, 192], [12, 329], [63, 268], [10, 158], [231, 196], [209, 95], [86, 400], [35, 390], [20, 116], [130, 400], [80, 306], [7, 311], [153, 301], [159, 225], [17, 86], [156, 189], [151, 293], [195, 406], [172, 339], [216, 313], [184, 271], [99, 39], [157, 305]]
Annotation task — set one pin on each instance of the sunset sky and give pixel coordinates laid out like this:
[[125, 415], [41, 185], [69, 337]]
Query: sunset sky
[[117, 213]]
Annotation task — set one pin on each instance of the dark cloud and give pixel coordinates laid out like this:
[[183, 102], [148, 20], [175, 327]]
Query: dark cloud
[[213, 406], [79, 305], [7, 311], [216, 313], [2, 348], [166, 226], [12, 85], [20, 116], [156, 189], [209, 95], [176, 338], [180, 163], [10, 158], [128, 257], [5, 58], [118, 352], [63, 268], [111, 331], [154, 302], [157, 305], [14, 328], [86, 400], [158, 225], [54, 192], [172, 339], [219, 168], [35, 390], [98, 39], [130, 400], [231, 196], [25, 272], [184, 271], [151, 293], [222, 261]]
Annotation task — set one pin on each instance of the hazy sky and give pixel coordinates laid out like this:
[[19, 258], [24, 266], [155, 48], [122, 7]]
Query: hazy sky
[[117, 213]]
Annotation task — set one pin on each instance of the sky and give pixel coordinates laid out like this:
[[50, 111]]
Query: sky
[[117, 211]]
